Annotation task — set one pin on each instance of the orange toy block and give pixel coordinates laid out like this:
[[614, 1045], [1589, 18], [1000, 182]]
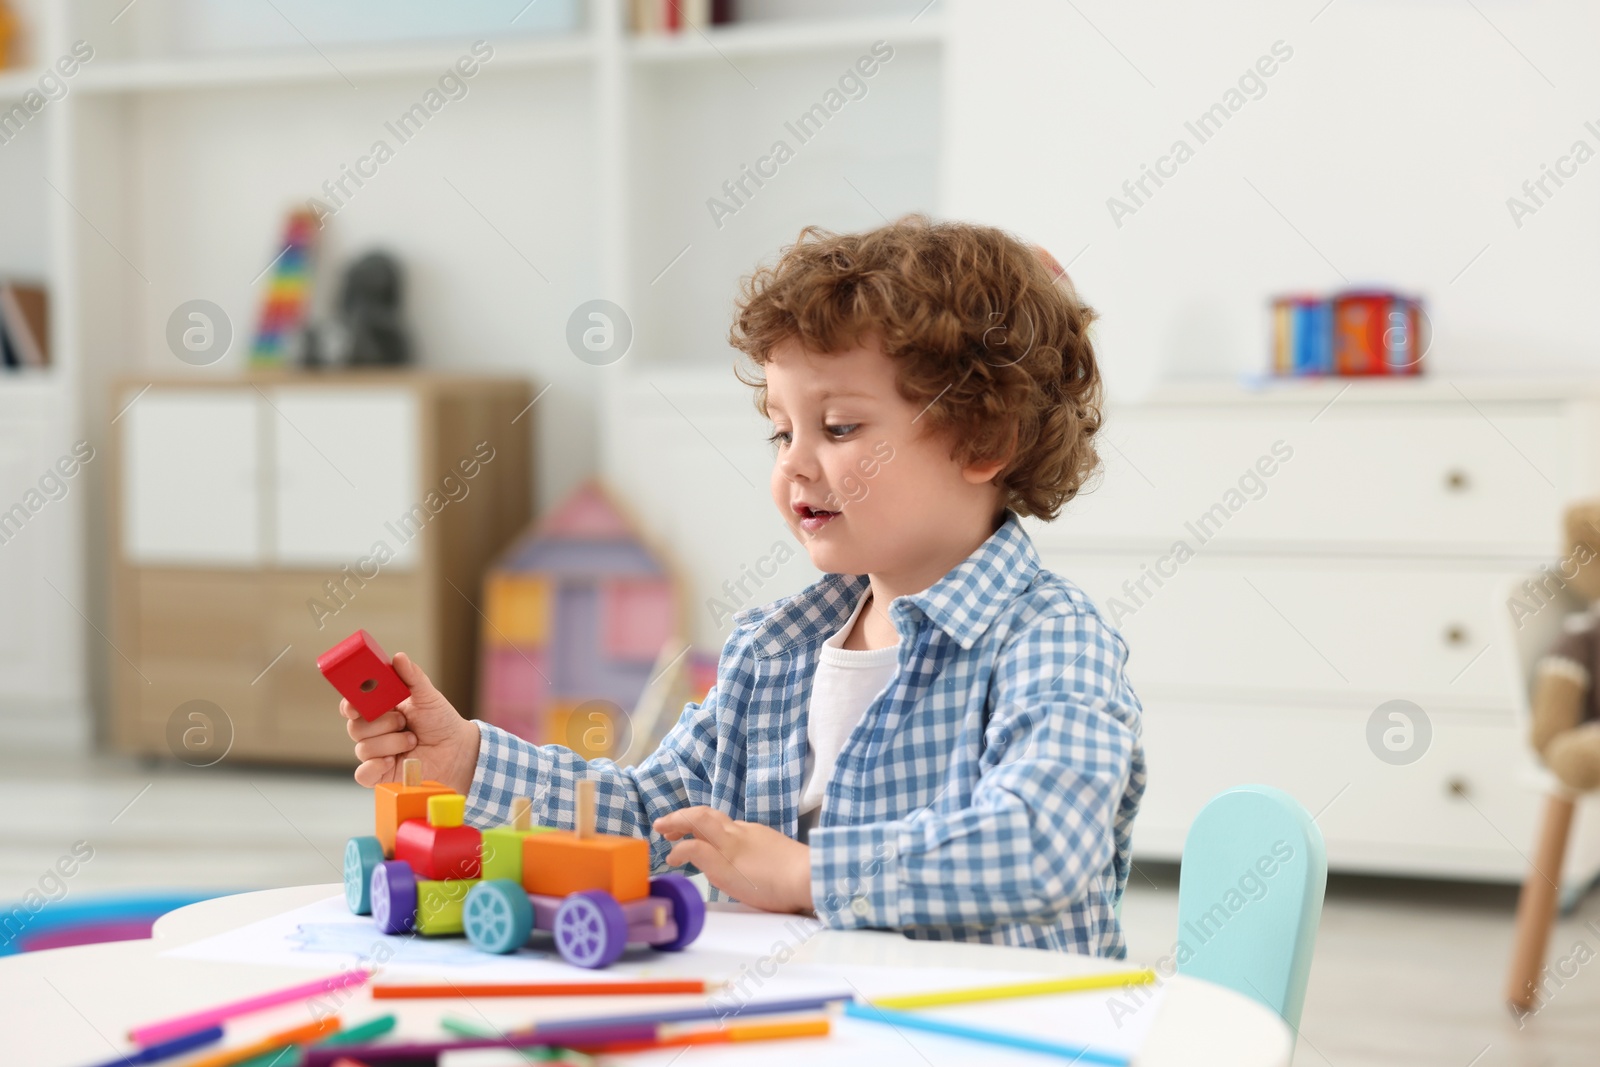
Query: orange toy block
[[559, 863], [395, 802]]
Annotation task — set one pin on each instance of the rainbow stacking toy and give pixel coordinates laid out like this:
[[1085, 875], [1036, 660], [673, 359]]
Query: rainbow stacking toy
[[424, 872], [288, 300]]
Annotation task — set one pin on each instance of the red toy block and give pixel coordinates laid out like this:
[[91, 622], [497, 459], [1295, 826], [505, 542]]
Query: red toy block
[[438, 853], [361, 673]]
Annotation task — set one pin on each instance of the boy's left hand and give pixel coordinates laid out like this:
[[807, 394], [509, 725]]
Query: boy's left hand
[[752, 863]]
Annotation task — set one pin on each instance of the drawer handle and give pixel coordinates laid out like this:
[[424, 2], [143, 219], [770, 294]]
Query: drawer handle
[[1459, 787], [1455, 634], [1457, 481]]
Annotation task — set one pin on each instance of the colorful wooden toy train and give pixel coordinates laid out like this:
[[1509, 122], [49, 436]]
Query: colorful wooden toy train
[[425, 872]]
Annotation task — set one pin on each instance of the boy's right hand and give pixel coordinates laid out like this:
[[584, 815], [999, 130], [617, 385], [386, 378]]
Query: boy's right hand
[[423, 726]]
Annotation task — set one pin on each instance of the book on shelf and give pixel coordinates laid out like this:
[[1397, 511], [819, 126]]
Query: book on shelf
[[24, 324], [649, 17]]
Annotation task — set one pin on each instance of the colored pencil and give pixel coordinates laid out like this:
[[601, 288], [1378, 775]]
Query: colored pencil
[[398, 991], [364, 1032], [1017, 989], [150, 1033], [295, 1035], [282, 1056], [710, 1011], [668, 1037], [462, 1028], [912, 1021], [587, 1040], [165, 1050], [578, 1033], [406, 1051], [668, 1015]]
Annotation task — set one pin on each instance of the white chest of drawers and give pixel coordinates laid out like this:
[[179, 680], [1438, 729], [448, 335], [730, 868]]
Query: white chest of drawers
[[1364, 568], [1282, 561]]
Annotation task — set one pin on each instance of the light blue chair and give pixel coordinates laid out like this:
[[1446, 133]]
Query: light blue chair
[[1250, 896]]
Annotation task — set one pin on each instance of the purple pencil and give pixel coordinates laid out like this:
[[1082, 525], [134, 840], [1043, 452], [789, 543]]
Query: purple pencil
[[412, 1051]]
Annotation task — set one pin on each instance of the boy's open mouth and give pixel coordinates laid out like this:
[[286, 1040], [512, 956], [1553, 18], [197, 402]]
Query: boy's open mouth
[[813, 519]]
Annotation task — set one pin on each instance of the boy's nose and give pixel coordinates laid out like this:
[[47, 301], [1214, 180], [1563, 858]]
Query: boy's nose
[[798, 462]]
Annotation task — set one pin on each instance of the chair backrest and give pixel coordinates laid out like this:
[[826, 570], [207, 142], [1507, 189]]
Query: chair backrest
[[1250, 896], [1532, 607]]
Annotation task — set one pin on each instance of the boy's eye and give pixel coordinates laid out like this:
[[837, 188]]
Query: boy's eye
[[843, 431], [779, 437]]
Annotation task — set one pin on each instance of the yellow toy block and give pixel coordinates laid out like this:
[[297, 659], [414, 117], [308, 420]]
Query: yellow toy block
[[518, 611], [395, 802], [439, 905], [447, 809], [502, 845]]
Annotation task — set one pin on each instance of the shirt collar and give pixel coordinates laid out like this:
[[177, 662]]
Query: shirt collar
[[963, 603]]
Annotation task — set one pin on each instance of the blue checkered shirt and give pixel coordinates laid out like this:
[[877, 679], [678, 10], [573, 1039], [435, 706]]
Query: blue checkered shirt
[[988, 793]]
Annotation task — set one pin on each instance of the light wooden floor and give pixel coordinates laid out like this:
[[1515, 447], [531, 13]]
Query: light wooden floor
[[1406, 972], [1410, 972]]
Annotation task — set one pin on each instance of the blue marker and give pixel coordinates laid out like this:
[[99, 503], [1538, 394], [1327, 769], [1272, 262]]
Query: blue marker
[[165, 1050]]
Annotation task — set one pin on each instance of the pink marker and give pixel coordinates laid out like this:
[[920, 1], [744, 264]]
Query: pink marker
[[183, 1024]]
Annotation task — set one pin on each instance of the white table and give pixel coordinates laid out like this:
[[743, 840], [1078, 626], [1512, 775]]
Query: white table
[[64, 1006]]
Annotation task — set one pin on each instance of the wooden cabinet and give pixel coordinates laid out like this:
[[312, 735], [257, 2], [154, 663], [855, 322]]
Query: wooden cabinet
[[261, 520]]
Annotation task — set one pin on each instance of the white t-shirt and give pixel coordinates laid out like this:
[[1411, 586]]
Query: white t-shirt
[[846, 683]]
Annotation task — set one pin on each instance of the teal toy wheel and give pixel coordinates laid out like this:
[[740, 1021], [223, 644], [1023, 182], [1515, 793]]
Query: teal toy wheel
[[497, 916], [361, 856]]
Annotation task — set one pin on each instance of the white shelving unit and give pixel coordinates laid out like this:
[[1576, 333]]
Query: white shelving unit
[[576, 166]]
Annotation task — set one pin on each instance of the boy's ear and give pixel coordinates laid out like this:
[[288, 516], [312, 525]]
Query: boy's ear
[[981, 471]]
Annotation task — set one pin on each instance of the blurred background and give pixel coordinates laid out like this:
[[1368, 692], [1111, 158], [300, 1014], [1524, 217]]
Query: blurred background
[[413, 317]]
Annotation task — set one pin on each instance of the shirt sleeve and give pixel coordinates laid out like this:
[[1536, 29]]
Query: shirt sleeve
[[627, 799], [1040, 826]]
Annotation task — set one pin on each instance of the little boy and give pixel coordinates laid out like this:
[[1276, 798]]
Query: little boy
[[937, 736]]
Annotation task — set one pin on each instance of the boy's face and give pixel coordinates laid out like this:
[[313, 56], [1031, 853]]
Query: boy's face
[[857, 479]]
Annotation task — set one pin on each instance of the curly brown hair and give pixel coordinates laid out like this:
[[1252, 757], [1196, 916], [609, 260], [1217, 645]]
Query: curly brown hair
[[986, 330]]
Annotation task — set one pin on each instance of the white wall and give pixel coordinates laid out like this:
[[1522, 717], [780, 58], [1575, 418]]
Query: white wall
[[1383, 151], [695, 127]]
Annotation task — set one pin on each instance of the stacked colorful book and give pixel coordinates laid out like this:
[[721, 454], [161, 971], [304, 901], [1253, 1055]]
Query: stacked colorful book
[[1356, 333], [24, 325], [674, 16]]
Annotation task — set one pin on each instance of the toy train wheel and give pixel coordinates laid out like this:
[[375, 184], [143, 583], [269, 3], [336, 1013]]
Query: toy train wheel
[[590, 929], [688, 909], [394, 897], [361, 857], [497, 916]]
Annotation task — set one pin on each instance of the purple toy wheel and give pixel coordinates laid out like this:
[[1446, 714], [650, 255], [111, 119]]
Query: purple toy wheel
[[394, 896], [590, 929], [688, 909]]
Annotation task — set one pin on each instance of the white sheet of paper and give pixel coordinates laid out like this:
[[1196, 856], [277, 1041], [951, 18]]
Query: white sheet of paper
[[748, 950]]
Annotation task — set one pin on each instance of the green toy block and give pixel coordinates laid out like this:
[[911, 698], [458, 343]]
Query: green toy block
[[502, 851], [439, 905]]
